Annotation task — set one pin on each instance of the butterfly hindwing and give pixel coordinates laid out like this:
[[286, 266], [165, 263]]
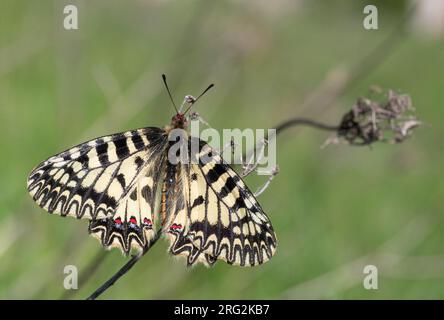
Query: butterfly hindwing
[[90, 179], [133, 225], [176, 209]]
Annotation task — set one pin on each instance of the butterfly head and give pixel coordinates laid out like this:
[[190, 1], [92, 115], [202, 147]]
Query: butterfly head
[[179, 121]]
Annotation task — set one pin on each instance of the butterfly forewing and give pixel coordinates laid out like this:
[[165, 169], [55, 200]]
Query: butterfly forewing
[[89, 180]]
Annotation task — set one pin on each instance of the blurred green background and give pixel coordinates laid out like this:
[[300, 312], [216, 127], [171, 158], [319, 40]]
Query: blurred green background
[[335, 210]]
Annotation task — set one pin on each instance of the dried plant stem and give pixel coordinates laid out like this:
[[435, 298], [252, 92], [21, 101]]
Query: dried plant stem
[[116, 276], [87, 272], [122, 271], [251, 165], [305, 122]]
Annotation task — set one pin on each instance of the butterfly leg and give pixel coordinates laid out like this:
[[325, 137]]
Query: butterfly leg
[[254, 156], [230, 145], [196, 116], [235, 156], [273, 173]]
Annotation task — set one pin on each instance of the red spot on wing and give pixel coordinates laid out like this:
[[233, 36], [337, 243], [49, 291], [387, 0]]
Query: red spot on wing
[[118, 221], [133, 220], [147, 222], [175, 227]]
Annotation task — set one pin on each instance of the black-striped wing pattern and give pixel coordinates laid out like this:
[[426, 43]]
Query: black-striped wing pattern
[[203, 208], [110, 181], [215, 216]]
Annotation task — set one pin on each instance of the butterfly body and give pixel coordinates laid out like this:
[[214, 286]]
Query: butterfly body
[[130, 191]]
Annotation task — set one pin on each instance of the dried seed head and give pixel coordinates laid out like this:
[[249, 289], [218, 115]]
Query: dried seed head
[[369, 121]]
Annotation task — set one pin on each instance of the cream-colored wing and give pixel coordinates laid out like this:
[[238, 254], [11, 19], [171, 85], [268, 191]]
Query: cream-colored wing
[[90, 180], [217, 217], [133, 225]]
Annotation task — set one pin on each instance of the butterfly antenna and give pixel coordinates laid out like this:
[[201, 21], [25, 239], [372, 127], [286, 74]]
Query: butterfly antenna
[[169, 92], [195, 100]]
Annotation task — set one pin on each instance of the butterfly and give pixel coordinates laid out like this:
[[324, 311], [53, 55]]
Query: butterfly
[[131, 193]]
